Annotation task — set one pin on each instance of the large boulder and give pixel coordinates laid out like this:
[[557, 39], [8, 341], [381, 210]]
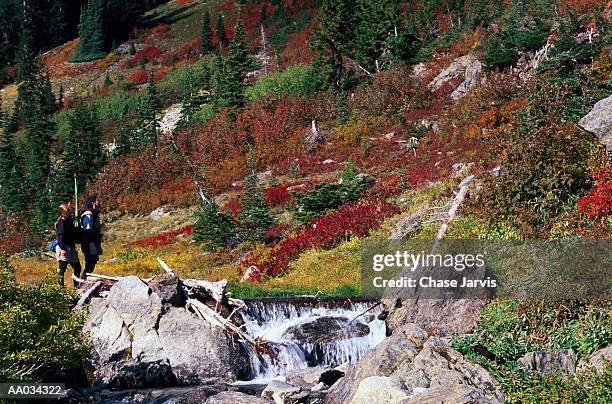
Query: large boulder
[[380, 390], [140, 338], [416, 361], [280, 392], [597, 360], [306, 378], [197, 350], [599, 122], [545, 362], [325, 329]]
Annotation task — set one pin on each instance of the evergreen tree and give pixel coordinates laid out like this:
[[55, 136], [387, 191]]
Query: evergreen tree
[[83, 155], [378, 24], [188, 104], [150, 104], [107, 81], [334, 37], [254, 218], [91, 32], [207, 45], [231, 73], [212, 227], [221, 37], [11, 190]]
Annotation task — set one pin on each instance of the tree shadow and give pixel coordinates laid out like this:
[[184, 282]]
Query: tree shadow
[[169, 17]]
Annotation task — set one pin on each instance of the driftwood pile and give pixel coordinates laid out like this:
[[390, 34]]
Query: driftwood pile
[[200, 296]]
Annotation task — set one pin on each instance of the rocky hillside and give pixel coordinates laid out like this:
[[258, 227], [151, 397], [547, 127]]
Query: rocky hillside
[[268, 143]]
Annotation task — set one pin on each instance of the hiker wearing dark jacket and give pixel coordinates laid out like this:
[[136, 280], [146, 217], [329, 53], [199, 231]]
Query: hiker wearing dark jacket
[[67, 237], [91, 243]]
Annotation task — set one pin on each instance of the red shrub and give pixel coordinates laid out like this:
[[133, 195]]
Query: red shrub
[[597, 204], [354, 219], [139, 77], [160, 74], [161, 239], [14, 232], [149, 53]]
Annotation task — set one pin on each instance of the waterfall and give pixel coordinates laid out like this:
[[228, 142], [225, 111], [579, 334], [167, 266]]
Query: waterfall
[[306, 332]]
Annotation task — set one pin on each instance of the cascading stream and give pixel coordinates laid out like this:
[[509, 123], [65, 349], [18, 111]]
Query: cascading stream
[[310, 331]]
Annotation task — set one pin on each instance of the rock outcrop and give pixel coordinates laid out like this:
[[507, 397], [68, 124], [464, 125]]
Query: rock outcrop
[[417, 363], [599, 122], [440, 317], [467, 67], [143, 336], [545, 362], [598, 360]]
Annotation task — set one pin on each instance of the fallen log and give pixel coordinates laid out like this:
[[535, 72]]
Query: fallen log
[[88, 294], [450, 216], [215, 289], [100, 276], [165, 266], [214, 318]]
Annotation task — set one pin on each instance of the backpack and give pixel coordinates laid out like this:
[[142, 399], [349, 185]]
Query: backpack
[[53, 245]]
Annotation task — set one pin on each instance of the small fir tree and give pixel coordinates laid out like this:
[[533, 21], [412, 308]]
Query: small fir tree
[[254, 218], [207, 45], [213, 228]]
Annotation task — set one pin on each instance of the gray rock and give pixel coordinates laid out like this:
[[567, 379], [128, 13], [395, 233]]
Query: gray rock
[[379, 390], [599, 122], [473, 72], [306, 378], [131, 374], [451, 393], [170, 289], [279, 391], [454, 70], [198, 351], [545, 362], [157, 213], [140, 310], [415, 360], [441, 317], [235, 397], [598, 360], [328, 161], [326, 329], [419, 70]]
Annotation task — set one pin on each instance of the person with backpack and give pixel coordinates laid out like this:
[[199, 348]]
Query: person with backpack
[[91, 243], [67, 235]]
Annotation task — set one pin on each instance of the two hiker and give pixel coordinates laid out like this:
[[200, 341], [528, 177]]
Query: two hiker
[[82, 229]]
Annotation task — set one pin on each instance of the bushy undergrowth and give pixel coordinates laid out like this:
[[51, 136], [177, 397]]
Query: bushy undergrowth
[[294, 80], [39, 331], [509, 329]]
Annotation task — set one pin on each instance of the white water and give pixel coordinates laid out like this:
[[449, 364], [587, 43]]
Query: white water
[[270, 320]]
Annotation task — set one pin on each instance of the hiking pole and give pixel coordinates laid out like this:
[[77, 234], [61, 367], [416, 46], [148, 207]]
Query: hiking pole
[[76, 201]]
